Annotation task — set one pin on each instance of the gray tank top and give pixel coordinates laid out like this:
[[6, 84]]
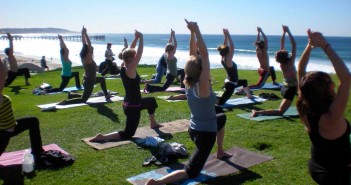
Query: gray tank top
[[203, 113]]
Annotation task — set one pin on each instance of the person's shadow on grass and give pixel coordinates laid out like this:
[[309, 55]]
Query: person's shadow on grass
[[16, 89], [106, 111]]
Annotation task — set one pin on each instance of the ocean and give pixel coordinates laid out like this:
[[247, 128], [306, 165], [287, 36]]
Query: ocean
[[244, 56]]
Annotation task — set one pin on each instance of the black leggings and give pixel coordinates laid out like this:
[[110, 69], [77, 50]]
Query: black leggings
[[204, 142], [88, 85], [133, 112], [153, 88], [11, 76], [340, 176], [64, 82], [23, 124], [229, 90]]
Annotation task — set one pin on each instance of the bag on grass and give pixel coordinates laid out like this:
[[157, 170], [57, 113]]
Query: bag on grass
[[55, 159], [174, 149]]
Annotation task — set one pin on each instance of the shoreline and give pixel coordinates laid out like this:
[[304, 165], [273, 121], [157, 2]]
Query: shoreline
[[52, 64]]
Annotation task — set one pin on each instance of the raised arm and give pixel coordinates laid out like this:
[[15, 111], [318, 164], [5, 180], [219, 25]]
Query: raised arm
[[258, 34], [231, 48], [175, 44], [225, 41], [293, 43], [133, 45], [305, 57], [125, 43], [9, 36], [134, 63], [62, 43], [192, 42], [338, 106], [265, 39], [204, 81], [84, 40]]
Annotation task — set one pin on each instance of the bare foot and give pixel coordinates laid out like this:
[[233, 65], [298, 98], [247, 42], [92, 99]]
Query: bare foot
[[155, 125], [151, 182], [63, 102], [254, 113], [98, 138], [224, 155], [145, 88]]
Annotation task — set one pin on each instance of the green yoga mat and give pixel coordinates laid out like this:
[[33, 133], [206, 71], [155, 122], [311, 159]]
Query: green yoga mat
[[291, 112]]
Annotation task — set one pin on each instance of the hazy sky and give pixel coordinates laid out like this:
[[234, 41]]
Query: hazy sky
[[331, 17]]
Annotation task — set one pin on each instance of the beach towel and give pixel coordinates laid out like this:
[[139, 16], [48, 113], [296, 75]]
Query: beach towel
[[142, 132], [242, 159], [241, 101], [95, 100], [15, 158], [291, 112]]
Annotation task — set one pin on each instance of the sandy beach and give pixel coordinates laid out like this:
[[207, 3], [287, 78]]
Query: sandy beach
[[52, 64]]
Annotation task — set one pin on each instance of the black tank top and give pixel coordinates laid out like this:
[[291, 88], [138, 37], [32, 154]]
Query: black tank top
[[132, 88], [330, 154], [232, 73]]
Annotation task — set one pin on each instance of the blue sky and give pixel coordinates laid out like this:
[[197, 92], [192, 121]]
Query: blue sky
[[331, 17]]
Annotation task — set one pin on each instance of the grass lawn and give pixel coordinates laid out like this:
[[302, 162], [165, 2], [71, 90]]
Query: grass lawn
[[284, 139]]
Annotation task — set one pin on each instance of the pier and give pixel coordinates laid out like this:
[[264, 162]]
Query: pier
[[52, 37]]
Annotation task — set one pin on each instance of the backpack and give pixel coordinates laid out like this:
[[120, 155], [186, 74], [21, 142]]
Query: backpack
[[54, 159], [174, 149]]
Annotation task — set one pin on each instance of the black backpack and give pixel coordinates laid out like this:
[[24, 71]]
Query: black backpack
[[54, 159]]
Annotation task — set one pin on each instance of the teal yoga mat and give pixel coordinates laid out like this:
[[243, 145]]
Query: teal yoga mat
[[291, 112]]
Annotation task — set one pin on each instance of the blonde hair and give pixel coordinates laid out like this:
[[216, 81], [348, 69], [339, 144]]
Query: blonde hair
[[192, 69], [128, 53]]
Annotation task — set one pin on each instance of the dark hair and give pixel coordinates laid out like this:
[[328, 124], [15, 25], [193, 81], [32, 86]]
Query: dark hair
[[223, 50], [84, 51], [314, 93], [260, 44], [7, 51], [282, 56]]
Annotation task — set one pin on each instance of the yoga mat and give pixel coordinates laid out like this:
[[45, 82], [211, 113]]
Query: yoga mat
[[142, 132], [240, 101], [70, 89], [291, 112], [271, 86], [165, 98], [95, 100], [242, 159], [112, 77], [175, 89], [15, 158], [169, 89]]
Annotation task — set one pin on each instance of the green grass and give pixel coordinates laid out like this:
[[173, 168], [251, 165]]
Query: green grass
[[285, 140]]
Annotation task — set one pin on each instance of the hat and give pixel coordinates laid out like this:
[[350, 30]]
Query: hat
[[109, 43]]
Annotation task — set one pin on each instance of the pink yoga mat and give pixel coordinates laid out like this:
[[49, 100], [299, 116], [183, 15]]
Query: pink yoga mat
[[15, 158]]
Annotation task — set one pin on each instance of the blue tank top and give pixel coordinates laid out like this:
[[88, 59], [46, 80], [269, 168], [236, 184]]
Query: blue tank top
[[329, 153], [232, 73], [66, 67], [203, 113]]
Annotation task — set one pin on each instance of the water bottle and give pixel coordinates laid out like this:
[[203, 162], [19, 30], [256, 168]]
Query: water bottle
[[27, 162]]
